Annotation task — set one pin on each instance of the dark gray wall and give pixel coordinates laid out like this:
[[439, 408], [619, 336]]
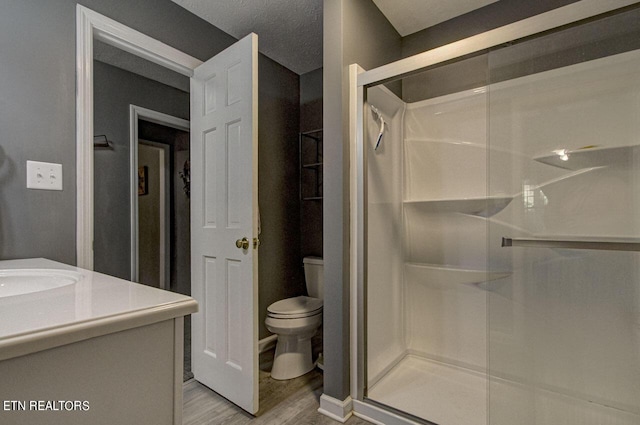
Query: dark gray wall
[[310, 119], [311, 100], [280, 263], [475, 22], [473, 71], [114, 90], [355, 31], [37, 101]]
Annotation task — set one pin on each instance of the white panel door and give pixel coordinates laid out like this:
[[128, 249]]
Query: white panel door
[[224, 200]]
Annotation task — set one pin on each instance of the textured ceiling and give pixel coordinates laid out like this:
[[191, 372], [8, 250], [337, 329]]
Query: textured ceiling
[[289, 31], [409, 16]]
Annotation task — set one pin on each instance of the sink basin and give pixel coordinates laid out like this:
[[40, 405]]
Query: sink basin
[[25, 281]]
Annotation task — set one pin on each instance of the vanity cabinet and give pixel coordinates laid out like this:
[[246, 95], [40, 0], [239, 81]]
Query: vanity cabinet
[[99, 351]]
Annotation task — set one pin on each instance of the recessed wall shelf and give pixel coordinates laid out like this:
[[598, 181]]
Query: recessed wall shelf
[[446, 276], [484, 207], [591, 156]]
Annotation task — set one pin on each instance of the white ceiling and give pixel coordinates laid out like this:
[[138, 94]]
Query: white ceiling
[[290, 31], [409, 16]]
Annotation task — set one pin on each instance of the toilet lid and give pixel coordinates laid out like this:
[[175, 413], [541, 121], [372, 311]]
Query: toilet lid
[[295, 306]]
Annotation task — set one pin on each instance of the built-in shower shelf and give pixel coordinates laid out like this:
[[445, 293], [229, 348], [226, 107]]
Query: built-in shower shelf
[[434, 275], [484, 207], [591, 156]]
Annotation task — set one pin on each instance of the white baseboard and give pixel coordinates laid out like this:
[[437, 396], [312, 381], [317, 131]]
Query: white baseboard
[[266, 344], [337, 410]]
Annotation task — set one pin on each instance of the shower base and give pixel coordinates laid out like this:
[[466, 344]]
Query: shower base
[[440, 393], [449, 395]]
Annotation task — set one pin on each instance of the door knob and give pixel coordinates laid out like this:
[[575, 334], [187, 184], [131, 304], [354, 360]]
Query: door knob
[[242, 243]]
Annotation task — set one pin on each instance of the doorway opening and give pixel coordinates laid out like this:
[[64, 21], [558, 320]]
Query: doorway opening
[[230, 369], [141, 212], [164, 242]]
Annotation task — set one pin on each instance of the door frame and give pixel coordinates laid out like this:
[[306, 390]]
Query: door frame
[[92, 26], [139, 113], [89, 26]]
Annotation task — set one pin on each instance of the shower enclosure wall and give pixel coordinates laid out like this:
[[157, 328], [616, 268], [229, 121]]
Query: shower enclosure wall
[[499, 278]]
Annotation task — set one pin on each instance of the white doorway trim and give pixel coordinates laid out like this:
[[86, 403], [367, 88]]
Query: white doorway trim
[[89, 26], [137, 113]]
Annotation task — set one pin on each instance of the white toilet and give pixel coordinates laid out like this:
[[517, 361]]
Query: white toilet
[[295, 321]]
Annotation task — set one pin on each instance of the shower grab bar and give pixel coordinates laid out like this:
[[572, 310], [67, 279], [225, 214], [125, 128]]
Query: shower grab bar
[[569, 244]]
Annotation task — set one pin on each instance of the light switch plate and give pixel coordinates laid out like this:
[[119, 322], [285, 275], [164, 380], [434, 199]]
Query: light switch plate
[[44, 175]]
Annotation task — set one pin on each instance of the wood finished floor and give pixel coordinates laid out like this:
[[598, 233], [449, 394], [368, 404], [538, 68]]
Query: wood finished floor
[[293, 402]]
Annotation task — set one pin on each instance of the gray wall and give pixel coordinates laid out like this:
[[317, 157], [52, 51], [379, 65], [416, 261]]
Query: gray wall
[[475, 22], [310, 119], [280, 264], [114, 90], [473, 71], [355, 31], [37, 95], [180, 232], [311, 100]]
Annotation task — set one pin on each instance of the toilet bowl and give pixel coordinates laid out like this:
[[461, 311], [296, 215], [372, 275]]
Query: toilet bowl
[[295, 321]]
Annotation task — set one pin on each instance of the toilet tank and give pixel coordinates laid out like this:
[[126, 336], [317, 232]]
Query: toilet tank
[[314, 276]]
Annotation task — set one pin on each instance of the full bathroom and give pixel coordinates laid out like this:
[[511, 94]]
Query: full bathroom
[[432, 220]]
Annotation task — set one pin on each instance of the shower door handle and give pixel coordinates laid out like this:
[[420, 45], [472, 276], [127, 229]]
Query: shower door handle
[[242, 243], [605, 245]]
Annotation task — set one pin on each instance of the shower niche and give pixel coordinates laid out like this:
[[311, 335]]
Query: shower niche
[[501, 234]]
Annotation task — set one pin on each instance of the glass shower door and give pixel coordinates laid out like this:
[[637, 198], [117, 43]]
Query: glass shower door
[[564, 327]]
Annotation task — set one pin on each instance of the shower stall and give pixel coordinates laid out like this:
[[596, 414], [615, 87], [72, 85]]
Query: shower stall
[[496, 227]]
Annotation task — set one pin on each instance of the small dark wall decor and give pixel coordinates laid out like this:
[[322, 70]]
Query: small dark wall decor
[[143, 183], [185, 175]]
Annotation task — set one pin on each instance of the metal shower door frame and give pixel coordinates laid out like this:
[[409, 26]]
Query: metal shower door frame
[[360, 80]]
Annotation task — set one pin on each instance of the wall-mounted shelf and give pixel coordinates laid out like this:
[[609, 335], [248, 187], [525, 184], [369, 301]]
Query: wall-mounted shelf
[[447, 276], [484, 207], [589, 157], [311, 165], [315, 165]]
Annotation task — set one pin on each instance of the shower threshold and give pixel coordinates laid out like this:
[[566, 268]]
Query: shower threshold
[[437, 392]]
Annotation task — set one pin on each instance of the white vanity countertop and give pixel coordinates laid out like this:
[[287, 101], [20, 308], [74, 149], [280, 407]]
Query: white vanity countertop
[[96, 304]]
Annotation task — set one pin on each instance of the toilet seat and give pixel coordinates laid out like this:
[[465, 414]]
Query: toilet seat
[[295, 308]]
